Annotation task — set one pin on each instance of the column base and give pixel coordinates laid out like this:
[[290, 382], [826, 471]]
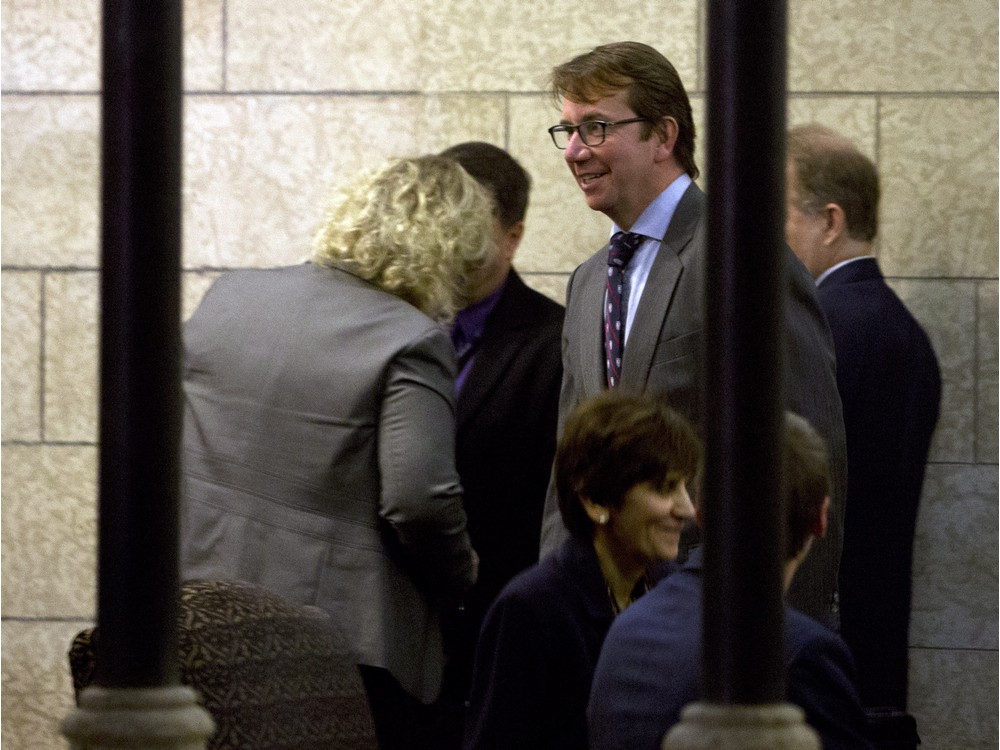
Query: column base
[[714, 726], [138, 719]]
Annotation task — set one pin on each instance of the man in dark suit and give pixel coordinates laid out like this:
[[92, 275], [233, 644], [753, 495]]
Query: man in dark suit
[[890, 386], [650, 663], [628, 137], [508, 345]]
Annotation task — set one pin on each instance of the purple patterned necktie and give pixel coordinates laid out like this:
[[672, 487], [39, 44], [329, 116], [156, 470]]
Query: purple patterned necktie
[[623, 246]]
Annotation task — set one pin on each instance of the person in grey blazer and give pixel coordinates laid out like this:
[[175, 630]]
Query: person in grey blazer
[[627, 135], [319, 427]]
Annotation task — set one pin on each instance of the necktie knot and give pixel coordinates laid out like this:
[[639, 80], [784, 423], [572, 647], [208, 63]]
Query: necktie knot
[[623, 247]]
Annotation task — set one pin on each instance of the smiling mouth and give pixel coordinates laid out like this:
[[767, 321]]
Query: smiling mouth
[[587, 179]]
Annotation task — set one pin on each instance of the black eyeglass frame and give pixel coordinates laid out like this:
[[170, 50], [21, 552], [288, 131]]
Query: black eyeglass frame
[[570, 129]]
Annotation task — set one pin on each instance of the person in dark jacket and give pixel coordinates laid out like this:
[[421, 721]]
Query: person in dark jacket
[[890, 387], [650, 666], [623, 467], [508, 343]]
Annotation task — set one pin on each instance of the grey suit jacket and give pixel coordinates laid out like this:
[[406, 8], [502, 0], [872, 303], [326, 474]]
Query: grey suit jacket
[[665, 356], [318, 458]]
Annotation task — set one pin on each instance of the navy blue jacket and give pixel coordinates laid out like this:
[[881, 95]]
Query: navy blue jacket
[[536, 655], [650, 668], [890, 387]]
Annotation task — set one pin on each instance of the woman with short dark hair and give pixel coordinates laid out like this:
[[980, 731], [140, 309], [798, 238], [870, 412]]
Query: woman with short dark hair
[[622, 468]]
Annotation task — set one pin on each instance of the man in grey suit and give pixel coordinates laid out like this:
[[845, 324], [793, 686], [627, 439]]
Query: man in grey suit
[[627, 135]]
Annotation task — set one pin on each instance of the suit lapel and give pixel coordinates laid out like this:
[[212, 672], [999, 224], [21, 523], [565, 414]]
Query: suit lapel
[[500, 343], [659, 291], [590, 323]]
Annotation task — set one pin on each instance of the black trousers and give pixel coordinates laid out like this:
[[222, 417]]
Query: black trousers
[[404, 723]]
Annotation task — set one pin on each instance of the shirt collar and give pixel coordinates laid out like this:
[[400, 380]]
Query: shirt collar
[[472, 319], [653, 222], [831, 269]]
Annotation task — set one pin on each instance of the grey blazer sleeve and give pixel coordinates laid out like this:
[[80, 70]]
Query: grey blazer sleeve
[[554, 532], [421, 497], [811, 391]]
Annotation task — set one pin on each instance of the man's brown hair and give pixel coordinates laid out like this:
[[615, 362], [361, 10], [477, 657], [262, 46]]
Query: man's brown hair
[[807, 476], [830, 169], [654, 89]]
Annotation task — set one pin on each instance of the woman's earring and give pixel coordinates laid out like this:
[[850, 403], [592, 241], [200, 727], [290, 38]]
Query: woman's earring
[[602, 519]]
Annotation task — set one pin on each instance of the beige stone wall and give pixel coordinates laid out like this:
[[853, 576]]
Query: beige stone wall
[[284, 98]]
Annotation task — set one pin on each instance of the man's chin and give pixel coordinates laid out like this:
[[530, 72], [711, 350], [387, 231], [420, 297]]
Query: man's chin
[[595, 202]]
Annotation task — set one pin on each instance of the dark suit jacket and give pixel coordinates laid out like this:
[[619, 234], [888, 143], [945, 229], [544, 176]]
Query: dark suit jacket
[[650, 668], [537, 654], [665, 355], [890, 385], [506, 438], [318, 458]]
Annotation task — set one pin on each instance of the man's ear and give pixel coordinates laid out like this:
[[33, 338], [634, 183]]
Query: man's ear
[[667, 131], [835, 223], [821, 523], [513, 236]]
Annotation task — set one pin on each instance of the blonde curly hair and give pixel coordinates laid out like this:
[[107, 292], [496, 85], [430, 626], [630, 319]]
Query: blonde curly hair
[[419, 228]]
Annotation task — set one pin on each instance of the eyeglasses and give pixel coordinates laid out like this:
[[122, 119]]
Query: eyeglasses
[[591, 132]]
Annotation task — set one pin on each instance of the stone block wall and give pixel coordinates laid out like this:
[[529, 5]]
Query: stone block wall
[[283, 99]]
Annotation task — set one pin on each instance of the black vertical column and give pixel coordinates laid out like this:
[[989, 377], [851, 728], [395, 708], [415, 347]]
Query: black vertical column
[[140, 342], [742, 658]]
